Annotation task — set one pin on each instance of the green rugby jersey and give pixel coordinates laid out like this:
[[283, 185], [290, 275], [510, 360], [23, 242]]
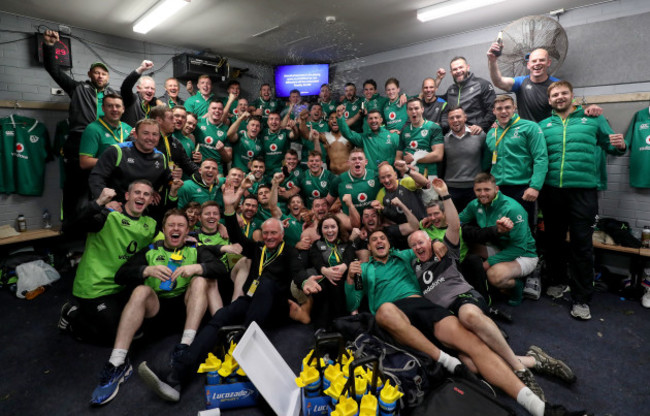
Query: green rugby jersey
[[107, 250]]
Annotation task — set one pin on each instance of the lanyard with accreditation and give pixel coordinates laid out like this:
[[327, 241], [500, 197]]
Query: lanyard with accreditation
[[494, 153], [121, 139], [263, 263]]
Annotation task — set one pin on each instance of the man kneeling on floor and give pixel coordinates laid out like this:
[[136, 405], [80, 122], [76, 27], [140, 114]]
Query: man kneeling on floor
[[394, 296], [266, 291], [442, 283], [514, 256], [184, 297]]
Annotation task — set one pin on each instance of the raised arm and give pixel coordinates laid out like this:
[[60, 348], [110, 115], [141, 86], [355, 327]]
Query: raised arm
[[499, 81], [453, 222], [232, 135]]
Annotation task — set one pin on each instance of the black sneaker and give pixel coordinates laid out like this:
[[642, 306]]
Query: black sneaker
[[64, 319], [528, 379], [163, 381], [177, 353], [109, 382], [545, 364], [559, 410]]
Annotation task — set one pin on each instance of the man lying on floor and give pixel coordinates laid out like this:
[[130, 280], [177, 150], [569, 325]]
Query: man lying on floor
[[395, 298], [266, 292]]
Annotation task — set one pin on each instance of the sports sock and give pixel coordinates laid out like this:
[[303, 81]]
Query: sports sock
[[529, 401], [448, 361], [118, 356], [188, 336]]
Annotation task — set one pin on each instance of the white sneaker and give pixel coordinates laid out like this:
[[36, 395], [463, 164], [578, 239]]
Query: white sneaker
[[645, 299], [557, 291], [581, 311], [533, 287]]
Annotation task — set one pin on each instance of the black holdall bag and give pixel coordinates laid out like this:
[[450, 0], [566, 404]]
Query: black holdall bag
[[458, 397]]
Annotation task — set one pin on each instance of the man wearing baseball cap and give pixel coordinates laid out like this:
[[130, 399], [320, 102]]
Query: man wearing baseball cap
[[86, 98]]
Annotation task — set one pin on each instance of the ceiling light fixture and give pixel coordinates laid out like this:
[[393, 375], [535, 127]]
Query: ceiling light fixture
[[163, 10], [449, 8]]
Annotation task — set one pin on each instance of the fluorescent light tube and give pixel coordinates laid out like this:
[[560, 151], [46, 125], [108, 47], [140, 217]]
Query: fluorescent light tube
[[158, 14], [449, 8]]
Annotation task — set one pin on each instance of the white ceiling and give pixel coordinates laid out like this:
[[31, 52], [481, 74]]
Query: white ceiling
[[226, 27]]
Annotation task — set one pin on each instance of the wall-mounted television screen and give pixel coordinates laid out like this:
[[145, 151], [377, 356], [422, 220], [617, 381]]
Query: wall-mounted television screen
[[305, 78]]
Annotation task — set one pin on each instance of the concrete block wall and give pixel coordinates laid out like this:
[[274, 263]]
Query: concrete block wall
[[23, 79]]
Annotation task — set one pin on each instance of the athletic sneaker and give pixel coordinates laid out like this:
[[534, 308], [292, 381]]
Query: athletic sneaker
[[557, 291], [533, 287], [559, 410], [545, 364], [64, 320], [645, 299], [109, 382], [581, 311], [177, 353], [528, 379], [162, 381]]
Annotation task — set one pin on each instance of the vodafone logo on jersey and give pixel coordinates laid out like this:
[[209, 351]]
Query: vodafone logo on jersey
[[209, 140], [346, 114], [235, 111], [273, 147], [647, 140], [362, 197], [315, 193], [20, 148], [249, 153], [267, 111], [413, 144], [289, 185], [392, 115]]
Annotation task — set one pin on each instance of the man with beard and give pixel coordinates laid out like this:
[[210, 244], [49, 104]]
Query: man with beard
[[404, 189], [326, 101], [86, 99], [312, 129], [394, 297], [475, 95], [378, 144], [169, 145], [352, 113], [465, 158], [338, 147], [179, 115], [569, 198], [265, 104]]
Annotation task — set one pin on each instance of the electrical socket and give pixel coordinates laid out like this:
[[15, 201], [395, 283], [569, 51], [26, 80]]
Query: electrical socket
[[58, 91]]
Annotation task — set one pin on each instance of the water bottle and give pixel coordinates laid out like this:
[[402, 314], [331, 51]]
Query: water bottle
[[174, 262], [47, 219], [21, 223], [645, 237]]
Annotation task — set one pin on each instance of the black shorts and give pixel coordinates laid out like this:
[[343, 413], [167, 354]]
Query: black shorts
[[422, 313], [472, 297], [97, 319]]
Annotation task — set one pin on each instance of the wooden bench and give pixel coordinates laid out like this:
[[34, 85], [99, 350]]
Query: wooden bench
[[30, 235]]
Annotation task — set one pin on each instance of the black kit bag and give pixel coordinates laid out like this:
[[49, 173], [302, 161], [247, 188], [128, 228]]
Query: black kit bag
[[458, 397]]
